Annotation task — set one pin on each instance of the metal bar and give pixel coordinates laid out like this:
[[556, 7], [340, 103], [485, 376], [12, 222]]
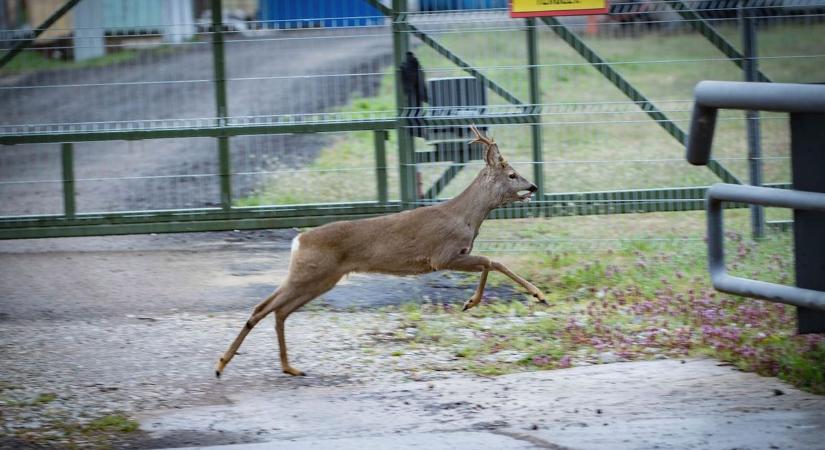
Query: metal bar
[[705, 29], [646, 105], [406, 144], [443, 51], [533, 77], [751, 71], [67, 164], [798, 200], [780, 97], [244, 130], [555, 204], [238, 130], [22, 45], [443, 181], [457, 60], [219, 64], [177, 227], [807, 156], [192, 215], [713, 95], [381, 165]]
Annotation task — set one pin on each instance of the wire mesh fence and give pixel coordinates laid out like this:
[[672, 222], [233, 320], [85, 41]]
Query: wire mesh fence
[[593, 106]]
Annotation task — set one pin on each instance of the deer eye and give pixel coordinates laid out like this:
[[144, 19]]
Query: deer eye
[[512, 175]]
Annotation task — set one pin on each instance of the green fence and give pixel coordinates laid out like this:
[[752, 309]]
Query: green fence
[[227, 121]]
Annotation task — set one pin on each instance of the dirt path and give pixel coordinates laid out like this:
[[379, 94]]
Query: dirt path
[[132, 325]]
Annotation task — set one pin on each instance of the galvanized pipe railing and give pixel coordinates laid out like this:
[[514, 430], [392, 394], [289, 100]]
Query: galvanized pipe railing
[[710, 96], [783, 198], [806, 103]]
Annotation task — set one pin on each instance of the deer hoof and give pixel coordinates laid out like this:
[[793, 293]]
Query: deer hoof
[[294, 372], [471, 303], [217, 374]]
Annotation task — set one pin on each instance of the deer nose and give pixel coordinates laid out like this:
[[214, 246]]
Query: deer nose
[[533, 188]]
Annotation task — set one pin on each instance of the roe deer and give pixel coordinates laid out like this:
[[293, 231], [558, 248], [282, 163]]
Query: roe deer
[[438, 237]]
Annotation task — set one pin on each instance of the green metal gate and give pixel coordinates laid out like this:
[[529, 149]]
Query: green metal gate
[[563, 138]]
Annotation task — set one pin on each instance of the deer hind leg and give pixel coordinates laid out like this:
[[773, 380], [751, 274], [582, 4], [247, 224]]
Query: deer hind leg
[[309, 289], [261, 311]]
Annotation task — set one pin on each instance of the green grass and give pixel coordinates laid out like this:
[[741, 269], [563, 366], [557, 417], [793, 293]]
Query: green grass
[[45, 398], [29, 61], [112, 423]]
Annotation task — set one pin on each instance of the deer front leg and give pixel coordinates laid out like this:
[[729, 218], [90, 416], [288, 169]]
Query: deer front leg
[[476, 298], [534, 291], [470, 263]]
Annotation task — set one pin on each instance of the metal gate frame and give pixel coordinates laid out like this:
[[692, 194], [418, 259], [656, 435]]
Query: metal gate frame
[[227, 216]]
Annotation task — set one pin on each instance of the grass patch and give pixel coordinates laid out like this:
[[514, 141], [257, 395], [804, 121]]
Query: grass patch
[[112, 423], [43, 399], [105, 432], [628, 300], [31, 61]]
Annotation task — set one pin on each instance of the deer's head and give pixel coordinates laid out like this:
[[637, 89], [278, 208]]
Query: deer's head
[[504, 182]]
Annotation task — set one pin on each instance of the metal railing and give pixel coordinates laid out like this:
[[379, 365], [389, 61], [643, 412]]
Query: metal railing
[[806, 104]]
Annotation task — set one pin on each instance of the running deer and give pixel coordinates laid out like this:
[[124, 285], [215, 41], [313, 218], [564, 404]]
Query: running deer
[[423, 240]]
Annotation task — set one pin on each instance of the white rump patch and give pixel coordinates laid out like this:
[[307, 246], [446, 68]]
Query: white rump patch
[[295, 243]]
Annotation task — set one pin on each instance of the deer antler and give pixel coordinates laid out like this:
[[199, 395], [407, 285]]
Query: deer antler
[[481, 138], [492, 148]]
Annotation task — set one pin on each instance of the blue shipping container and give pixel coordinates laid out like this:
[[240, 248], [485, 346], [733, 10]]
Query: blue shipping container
[[318, 13], [450, 5]]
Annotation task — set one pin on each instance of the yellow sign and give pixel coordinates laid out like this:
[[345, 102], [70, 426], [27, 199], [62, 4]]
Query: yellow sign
[[534, 8]]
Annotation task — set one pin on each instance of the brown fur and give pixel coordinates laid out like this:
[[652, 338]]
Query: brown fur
[[438, 237]]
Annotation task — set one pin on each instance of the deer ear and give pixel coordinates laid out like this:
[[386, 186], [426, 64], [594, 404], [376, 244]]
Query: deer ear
[[492, 156]]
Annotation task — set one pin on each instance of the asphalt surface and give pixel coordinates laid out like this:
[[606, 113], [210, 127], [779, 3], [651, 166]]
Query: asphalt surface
[[666, 404], [198, 273], [134, 324]]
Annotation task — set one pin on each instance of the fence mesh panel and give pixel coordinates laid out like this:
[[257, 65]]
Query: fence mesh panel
[[149, 65]]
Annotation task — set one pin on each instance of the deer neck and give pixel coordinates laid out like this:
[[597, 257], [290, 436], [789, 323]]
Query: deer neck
[[474, 203]]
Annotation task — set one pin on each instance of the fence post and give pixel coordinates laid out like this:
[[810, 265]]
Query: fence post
[[381, 165], [535, 101], [224, 161], [406, 149], [751, 72], [67, 163]]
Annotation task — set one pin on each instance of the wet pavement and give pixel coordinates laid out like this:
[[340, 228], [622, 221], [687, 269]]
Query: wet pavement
[[666, 404], [133, 325]]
